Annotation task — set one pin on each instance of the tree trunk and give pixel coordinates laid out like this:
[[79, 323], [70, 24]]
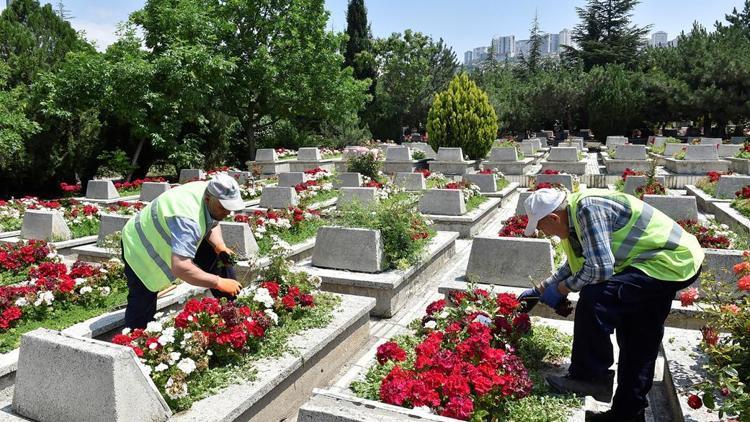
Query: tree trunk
[[134, 163], [706, 123]]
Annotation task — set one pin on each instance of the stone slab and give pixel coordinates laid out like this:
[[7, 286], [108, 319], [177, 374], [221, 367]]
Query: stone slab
[[630, 152], [562, 179], [501, 154], [696, 166], [442, 202], [471, 223], [675, 207], [701, 153], [290, 180], [239, 237], [510, 167], [617, 166], [309, 154], [450, 155], [44, 225], [704, 200], [486, 182], [671, 149], [190, 175], [739, 165], [152, 190], [347, 180], [398, 154], [710, 141], [528, 148], [111, 223], [728, 185], [272, 168], [411, 182], [509, 261], [266, 155], [452, 168], [634, 182], [577, 168], [563, 154], [731, 217], [278, 197], [364, 196], [101, 189], [351, 249], [240, 176], [302, 166], [421, 146], [729, 150], [63, 377], [393, 167]]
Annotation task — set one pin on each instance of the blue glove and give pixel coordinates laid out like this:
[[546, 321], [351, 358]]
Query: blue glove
[[551, 296], [528, 298]]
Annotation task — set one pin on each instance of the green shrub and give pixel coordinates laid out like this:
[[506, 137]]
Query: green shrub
[[365, 164], [462, 116]]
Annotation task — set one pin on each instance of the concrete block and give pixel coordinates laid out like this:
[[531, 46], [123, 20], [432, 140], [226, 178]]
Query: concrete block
[[505, 154], [630, 152], [453, 155], [634, 182], [528, 147], [152, 190], [711, 141], [702, 153], [675, 207], [442, 202], [614, 141], [111, 223], [190, 175], [398, 154], [240, 176], [290, 180], [672, 149], [348, 180], [738, 140], [278, 197], [365, 196], [67, 378], [411, 182], [729, 184], [569, 154], [697, 167], [509, 167], [740, 165], [309, 154], [266, 155], [452, 168], [101, 189], [329, 406], [44, 225], [239, 237], [659, 141], [729, 150], [421, 146], [350, 249], [509, 261], [572, 143], [486, 182], [562, 179]]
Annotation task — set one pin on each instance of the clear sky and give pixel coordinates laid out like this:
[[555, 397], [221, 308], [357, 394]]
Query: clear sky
[[462, 24]]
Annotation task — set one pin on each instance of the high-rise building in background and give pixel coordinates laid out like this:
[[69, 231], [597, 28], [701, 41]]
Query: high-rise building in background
[[523, 47], [507, 47], [566, 37], [659, 39], [468, 57], [504, 47]]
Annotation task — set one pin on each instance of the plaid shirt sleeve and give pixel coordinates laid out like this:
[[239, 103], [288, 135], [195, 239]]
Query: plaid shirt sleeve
[[597, 221]]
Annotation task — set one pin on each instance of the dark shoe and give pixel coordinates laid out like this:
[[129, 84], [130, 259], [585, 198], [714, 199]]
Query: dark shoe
[[611, 416], [599, 388]]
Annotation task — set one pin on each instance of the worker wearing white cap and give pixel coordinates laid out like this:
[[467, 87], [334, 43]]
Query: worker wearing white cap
[[627, 260], [178, 236]]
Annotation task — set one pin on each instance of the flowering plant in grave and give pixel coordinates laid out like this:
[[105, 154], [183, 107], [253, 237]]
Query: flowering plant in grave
[[725, 309], [181, 348], [620, 183], [661, 148], [515, 227], [17, 258], [70, 190], [384, 190], [744, 152], [500, 181], [285, 154], [328, 153], [710, 235], [135, 185], [681, 154], [708, 184], [269, 222], [11, 213], [365, 161], [316, 181], [52, 284], [125, 207], [252, 188], [741, 201], [458, 361], [508, 143]]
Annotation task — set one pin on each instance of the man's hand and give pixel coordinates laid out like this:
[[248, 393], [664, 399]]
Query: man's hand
[[223, 248], [528, 298], [228, 286], [551, 296]]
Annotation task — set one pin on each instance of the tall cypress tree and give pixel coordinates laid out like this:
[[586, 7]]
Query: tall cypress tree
[[535, 47], [358, 52], [605, 34]]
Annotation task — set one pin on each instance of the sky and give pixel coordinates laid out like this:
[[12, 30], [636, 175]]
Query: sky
[[463, 25]]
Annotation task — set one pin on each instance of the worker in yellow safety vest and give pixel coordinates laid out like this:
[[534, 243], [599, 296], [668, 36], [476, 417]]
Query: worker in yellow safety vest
[[176, 236], [627, 260]]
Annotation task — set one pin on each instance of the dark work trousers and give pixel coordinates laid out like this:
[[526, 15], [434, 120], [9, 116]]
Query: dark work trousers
[[142, 301], [635, 306]]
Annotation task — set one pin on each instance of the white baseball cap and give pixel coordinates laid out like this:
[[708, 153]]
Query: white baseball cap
[[225, 188], [540, 204]]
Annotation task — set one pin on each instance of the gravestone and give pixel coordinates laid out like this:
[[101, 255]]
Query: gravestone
[[486, 182], [152, 190], [190, 175], [442, 202], [729, 184], [411, 182], [528, 148], [290, 180], [630, 152], [277, 197], [309, 154], [659, 141], [67, 378], [398, 154], [729, 150], [111, 223], [509, 261], [634, 182], [452, 155], [563, 154], [499, 154], [239, 237], [240, 176], [561, 179], [738, 139], [421, 146], [711, 141], [101, 189], [614, 141], [351, 249], [44, 225], [364, 196], [672, 149], [675, 207], [266, 155], [702, 153], [348, 180]]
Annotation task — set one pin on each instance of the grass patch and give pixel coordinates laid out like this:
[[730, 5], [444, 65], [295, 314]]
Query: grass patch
[[87, 228], [273, 345], [475, 201], [129, 192], [10, 224], [620, 185], [320, 197], [9, 277], [293, 157], [293, 236], [63, 316], [501, 183]]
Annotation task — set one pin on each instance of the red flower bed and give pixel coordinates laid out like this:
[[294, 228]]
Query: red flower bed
[[629, 172], [707, 236], [18, 256], [426, 173], [551, 171], [514, 226], [137, 183], [743, 193]]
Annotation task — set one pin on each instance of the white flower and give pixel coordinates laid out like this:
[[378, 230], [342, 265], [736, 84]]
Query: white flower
[[484, 320], [271, 314], [175, 391], [154, 327], [167, 336], [263, 296], [174, 357], [79, 281], [209, 352], [21, 301], [146, 368], [443, 314], [153, 346], [47, 298], [104, 291], [186, 365], [126, 331], [430, 325], [103, 270], [85, 289], [161, 367], [158, 315]]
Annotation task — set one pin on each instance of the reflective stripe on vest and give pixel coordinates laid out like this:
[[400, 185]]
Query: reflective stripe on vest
[[650, 241], [146, 240]]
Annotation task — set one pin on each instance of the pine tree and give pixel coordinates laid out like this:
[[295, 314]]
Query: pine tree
[[358, 52], [535, 47], [605, 34], [62, 12]]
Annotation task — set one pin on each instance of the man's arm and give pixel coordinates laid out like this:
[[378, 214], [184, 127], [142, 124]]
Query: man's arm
[[184, 269], [216, 239]]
